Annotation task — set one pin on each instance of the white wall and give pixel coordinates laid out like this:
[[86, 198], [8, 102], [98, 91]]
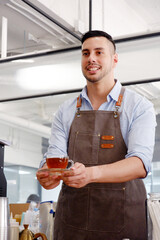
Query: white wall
[[51, 195], [25, 147], [138, 60]]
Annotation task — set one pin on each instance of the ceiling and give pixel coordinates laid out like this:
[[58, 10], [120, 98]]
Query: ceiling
[[34, 26], [30, 31], [59, 25]]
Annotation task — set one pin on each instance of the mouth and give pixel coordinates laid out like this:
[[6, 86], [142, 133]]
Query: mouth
[[92, 68]]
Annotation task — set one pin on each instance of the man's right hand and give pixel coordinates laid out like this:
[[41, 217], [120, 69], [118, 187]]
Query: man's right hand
[[47, 181]]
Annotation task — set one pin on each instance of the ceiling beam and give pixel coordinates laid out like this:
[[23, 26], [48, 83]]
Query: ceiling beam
[[52, 19]]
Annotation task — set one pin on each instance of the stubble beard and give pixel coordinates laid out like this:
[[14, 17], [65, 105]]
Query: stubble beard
[[93, 79]]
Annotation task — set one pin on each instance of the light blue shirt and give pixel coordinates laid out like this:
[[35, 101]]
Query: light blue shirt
[[137, 122]]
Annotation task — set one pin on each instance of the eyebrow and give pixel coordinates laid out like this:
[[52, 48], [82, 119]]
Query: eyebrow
[[86, 49]]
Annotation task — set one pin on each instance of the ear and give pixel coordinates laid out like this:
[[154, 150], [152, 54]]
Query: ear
[[115, 60]]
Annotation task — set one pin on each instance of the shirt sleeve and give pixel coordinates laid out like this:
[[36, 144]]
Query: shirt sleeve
[[141, 134], [58, 139]]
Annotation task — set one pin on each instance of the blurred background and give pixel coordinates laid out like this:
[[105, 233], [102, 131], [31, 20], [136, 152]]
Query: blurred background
[[40, 67]]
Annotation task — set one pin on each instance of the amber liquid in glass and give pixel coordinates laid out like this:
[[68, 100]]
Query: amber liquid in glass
[[57, 162]]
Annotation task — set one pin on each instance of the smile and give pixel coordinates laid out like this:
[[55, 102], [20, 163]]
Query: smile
[[93, 68]]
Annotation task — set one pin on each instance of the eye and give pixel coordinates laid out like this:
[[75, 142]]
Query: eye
[[85, 54], [99, 52]]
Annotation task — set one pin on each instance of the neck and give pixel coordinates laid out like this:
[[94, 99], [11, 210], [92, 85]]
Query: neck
[[97, 92]]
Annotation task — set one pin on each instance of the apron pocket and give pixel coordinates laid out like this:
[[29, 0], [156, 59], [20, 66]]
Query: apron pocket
[[106, 209], [86, 148], [74, 206]]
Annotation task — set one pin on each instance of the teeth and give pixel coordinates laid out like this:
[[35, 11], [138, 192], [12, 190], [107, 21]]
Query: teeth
[[93, 69]]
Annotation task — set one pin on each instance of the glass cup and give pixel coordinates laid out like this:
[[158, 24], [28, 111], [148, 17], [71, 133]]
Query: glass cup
[[59, 162]]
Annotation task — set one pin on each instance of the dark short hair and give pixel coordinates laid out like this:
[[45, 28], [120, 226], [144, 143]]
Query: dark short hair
[[98, 33], [33, 198]]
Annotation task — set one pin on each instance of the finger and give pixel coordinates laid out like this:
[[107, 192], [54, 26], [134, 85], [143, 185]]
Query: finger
[[73, 180], [76, 165], [75, 185], [41, 175], [50, 184], [75, 170], [67, 173], [75, 176], [50, 178]]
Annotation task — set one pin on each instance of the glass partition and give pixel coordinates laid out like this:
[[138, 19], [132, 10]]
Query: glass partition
[[36, 26], [152, 92], [61, 71], [27, 28], [21, 182], [76, 12], [126, 18]]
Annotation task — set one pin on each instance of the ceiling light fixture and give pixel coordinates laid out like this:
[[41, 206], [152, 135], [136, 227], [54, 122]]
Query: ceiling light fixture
[[51, 77], [23, 61]]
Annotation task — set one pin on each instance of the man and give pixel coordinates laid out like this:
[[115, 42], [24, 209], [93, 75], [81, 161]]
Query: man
[[109, 133]]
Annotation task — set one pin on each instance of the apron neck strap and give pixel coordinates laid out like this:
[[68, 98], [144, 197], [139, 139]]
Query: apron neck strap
[[79, 103], [118, 103], [120, 98], [117, 106]]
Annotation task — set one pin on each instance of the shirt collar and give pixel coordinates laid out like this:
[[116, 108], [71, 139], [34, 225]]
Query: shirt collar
[[114, 93], [84, 93]]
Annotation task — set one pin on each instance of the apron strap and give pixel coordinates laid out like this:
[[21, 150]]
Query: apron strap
[[79, 103], [118, 103], [120, 98], [117, 106]]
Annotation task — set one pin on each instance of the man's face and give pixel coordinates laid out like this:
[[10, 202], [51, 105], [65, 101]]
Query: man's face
[[98, 58]]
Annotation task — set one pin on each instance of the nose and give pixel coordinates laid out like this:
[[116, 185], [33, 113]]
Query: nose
[[91, 58]]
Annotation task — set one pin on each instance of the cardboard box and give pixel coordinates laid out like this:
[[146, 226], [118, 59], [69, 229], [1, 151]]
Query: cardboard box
[[18, 208]]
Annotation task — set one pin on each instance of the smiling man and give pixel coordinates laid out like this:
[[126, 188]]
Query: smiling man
[[94, 64], [108, 131]]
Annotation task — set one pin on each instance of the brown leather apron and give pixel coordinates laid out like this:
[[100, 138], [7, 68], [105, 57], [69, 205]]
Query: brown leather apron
[[100, 211]]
